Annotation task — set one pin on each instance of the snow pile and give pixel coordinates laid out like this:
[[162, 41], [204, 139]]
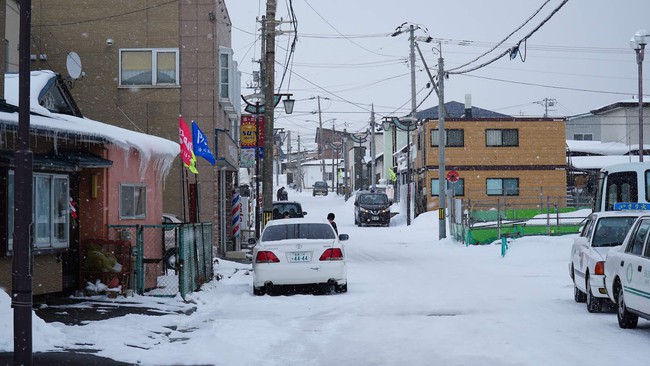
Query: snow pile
[[44, 336]]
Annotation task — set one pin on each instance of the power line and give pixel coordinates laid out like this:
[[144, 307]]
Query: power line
[[111, 16], [505, 39], [548, 86], [513, 51]]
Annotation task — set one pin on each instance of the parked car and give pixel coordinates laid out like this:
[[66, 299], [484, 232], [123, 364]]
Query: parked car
[[286, 209], [627, 275], [601, 231], [320, 188], [296, 252], [371, 208], [170, 237]]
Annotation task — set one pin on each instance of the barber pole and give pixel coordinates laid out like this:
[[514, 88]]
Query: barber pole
[[236, 214]]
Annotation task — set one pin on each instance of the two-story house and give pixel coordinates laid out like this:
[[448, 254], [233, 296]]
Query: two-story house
[[145, 62], [495, 156]]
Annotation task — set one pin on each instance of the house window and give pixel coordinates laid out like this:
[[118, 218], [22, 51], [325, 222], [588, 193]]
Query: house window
[[502, 187], [149, 67], [458, 187], [502, 137], [583, 136], [133, 201], [454, 137], [224, 74], [50, 209]]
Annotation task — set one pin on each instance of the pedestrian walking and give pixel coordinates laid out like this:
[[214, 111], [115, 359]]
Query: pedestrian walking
[[330, 218]]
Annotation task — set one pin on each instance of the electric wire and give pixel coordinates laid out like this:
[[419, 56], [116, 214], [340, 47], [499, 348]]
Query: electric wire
[[474, 68], [505, 39], [110, 16]]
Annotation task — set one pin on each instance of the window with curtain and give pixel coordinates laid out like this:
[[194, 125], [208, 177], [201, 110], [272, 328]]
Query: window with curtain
[[453, 137], [509, 137], [148, 67], [50, 210], [458, 187], [133, 201]]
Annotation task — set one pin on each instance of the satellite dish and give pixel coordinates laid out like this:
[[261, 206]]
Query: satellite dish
[[73, 63]]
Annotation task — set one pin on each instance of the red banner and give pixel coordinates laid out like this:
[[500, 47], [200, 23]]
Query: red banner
[[249, 131], [185, 136]]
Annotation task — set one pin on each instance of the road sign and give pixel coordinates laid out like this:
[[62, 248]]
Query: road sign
[[452, 176]]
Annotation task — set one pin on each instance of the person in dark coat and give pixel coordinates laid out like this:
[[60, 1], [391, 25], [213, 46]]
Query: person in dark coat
[[330, 218], [282, 194]]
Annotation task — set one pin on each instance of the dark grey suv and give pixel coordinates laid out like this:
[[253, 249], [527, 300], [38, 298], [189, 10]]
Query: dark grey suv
[[320, 188], [371, 208], [286, 209]]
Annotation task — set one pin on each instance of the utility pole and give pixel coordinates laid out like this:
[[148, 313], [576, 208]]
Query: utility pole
[[320, 140], [288, 152], [269, 105], [345, 163], [546, 102], [373, 168], [299, 165], [413, 115], [331, 141], [442, 179], [22, 286]]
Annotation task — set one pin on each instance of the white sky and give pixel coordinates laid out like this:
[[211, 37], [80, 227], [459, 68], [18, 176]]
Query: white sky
[[412, 300], [584, 47]]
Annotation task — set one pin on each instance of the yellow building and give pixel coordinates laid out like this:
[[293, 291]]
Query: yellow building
[[495, 156]]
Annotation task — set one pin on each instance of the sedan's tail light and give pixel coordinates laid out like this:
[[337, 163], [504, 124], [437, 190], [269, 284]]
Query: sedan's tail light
[[332, 254], [266, 257], [600, 268]]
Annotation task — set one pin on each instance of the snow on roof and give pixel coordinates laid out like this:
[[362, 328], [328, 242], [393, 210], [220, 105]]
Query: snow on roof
[[597, 162], [598, 147], [160, 150]]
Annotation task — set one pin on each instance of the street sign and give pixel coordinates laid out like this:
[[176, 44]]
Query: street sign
[[452, 176]]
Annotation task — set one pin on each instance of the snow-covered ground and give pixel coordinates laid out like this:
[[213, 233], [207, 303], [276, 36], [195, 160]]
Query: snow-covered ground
[[412, 300]]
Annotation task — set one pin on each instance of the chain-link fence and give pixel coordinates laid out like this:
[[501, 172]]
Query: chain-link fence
[[168, 259]]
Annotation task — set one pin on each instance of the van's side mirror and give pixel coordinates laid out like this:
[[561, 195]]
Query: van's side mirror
[[343, 237], [356, 203], [304, 213]]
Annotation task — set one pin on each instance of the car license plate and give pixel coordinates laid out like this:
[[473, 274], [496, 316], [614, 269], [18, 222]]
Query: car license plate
[[375, 218], [299, 257]]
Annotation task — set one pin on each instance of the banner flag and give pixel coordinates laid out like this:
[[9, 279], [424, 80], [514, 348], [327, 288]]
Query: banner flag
[[187, 153], [200, 144], [391, 174]]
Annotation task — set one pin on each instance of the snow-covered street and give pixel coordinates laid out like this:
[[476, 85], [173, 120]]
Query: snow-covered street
[[412, 300]]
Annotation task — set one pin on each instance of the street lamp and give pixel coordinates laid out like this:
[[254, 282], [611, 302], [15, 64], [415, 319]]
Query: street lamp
[[408, 124], [257, 109], [336, 145], [638, 43]]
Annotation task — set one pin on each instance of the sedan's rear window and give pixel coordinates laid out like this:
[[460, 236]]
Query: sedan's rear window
[[611, 231], [320, 184], [298, 231]]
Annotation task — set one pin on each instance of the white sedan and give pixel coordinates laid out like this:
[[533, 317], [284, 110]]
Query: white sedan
[[300, 251], [601, 232], [627, 275]]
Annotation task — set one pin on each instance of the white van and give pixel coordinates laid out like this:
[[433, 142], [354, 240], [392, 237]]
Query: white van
[[623, 183]]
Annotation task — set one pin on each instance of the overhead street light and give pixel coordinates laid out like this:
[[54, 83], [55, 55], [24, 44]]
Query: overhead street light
[[258, 108], [638, 43]]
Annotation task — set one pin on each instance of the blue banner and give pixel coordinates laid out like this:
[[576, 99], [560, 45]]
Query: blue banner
[[200, 143]]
